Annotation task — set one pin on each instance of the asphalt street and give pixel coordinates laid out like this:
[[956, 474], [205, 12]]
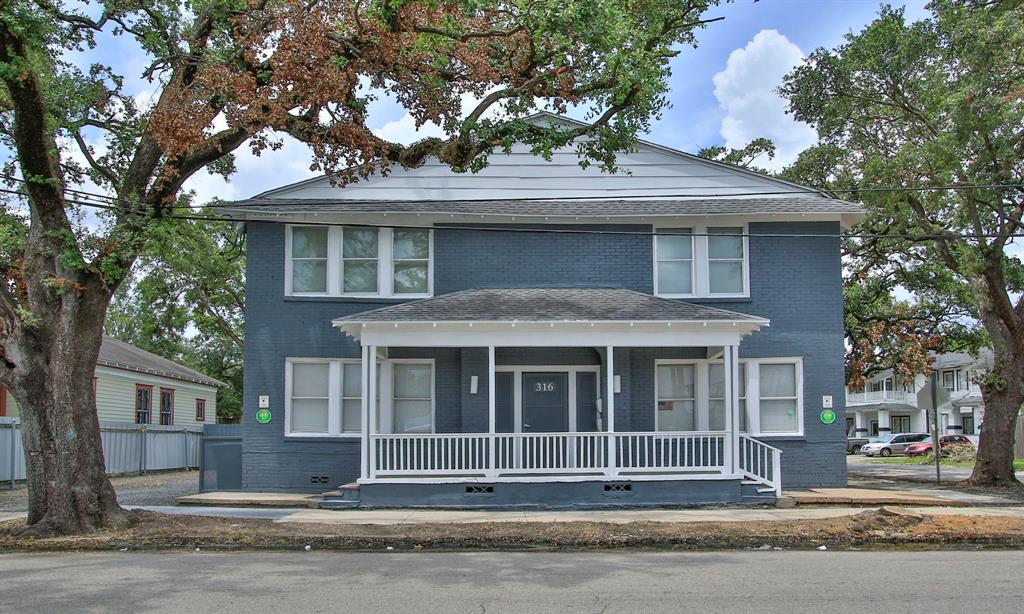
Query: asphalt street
[[421, 582]]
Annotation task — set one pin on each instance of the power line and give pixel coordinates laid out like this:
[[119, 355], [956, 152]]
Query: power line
[[537, 230], [949, 187]]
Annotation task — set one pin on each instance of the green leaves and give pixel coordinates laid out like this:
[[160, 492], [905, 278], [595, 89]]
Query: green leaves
[[932, 103]]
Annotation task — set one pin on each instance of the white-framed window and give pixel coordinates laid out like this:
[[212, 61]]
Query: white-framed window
[[358, 261], [308, 259], [726, 260], [779, 406], [360, 252], [712, 262], [324, 396], [716, 396], [412, 398], [676, 386], [674, 261], [949, 379], [690, 395]]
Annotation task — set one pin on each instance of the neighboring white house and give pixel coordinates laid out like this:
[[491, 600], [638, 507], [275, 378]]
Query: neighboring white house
[[133, 385], [887, 405]]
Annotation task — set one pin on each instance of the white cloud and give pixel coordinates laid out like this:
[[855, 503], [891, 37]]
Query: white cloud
[[403, 130], [746, 90]]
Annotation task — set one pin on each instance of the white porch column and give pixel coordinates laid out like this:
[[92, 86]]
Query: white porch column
[[365, 412], [884, 426], [371, 375], [860, 424], [612, 468], [491, 417], [731, 373], [956, 421]]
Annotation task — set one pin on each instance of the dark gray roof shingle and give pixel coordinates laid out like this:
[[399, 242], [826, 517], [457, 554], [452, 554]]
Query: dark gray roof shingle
[[555, 208], [547, 305], [120, 355]]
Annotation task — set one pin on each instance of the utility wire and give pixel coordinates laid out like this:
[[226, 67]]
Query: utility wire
[[241, 205], [538, 230]]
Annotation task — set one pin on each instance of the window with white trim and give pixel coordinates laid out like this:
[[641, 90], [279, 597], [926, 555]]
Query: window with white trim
[[358, 261], [412, 409], [411, 256], [779, 398], [691, 396], [726, 260], [360, 249], [308, 259], [716, 396], [702, 261], [323, 397], [677, 397], [674, 253], [309, 408]]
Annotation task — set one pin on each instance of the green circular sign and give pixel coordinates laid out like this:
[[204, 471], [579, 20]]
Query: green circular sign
[[828, 416], [263, 416]]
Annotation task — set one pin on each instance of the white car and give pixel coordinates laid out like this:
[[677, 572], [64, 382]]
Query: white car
[[887, 445]]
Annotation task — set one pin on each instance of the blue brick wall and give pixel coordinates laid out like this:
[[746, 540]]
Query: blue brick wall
[[796, 282]]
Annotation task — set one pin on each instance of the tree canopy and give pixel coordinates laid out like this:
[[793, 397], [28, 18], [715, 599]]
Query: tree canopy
[[923, 106], [231, 73]]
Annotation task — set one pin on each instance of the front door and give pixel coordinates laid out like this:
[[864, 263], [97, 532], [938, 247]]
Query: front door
[[545, 402]]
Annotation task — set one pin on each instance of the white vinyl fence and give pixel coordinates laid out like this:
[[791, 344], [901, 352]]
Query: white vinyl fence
[[127, 448]]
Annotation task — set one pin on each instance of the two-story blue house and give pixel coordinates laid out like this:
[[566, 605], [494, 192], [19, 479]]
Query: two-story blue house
[[540, 334]]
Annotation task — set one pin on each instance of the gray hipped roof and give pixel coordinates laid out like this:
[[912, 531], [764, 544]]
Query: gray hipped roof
[[120, 355], [548, 305], [555, 208]]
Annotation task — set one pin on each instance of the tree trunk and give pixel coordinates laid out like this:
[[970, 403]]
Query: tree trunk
[[1003, 394], [68, 489]]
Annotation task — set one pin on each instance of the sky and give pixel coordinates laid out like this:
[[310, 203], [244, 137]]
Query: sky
[[722, 92]]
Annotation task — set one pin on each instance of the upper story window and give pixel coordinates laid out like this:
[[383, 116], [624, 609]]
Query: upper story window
[[955, 379], [705, 261], [355, 261]]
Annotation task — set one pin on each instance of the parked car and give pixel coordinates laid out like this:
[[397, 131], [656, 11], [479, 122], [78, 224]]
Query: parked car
[[924, 447], [887, 445], [854, 444]]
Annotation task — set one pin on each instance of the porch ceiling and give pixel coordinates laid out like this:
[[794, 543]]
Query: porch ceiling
[[565, 316]]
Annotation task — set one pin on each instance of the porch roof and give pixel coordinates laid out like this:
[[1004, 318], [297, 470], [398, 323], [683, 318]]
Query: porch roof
[[538, 317], [549, 305]]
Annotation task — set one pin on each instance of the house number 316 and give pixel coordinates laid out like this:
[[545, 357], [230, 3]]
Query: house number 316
[[544, 387]]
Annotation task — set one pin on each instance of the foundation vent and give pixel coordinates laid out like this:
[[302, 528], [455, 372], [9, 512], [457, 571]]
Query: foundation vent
[[479, 490], [319, 479], [618, 487]]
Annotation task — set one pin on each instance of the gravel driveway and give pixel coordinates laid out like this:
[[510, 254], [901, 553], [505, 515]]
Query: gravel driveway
[[152, 489]]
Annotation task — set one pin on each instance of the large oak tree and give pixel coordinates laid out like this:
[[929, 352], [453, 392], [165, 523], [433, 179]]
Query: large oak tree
[[234, 73], [937, 102]]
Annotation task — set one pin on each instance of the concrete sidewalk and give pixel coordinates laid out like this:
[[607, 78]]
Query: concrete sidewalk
[[395, 517]]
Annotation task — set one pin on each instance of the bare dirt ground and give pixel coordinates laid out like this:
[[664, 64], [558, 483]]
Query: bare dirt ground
[[151, 489], [871, 528]]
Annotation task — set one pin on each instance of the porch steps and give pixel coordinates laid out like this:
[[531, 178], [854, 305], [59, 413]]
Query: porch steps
[[757, 493], [345, 497]]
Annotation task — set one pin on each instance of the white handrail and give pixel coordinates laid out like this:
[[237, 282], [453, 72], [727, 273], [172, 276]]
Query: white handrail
[[761, 463], [511, 454]]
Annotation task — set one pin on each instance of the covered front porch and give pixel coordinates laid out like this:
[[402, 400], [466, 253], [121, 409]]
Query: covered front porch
[[543, 398]]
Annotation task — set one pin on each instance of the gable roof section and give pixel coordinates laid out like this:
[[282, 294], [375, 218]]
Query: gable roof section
[[548, 305], [520, 183], [117, 354]]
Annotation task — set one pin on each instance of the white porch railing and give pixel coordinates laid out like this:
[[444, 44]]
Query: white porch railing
[[547, 454], [761, 463], [880, 396]]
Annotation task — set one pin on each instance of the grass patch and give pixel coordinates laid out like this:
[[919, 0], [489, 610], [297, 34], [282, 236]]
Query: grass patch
[[1018, 464]]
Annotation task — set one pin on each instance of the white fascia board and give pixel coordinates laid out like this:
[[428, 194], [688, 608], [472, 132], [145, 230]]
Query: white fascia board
[[435, 218], [550, 334]]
